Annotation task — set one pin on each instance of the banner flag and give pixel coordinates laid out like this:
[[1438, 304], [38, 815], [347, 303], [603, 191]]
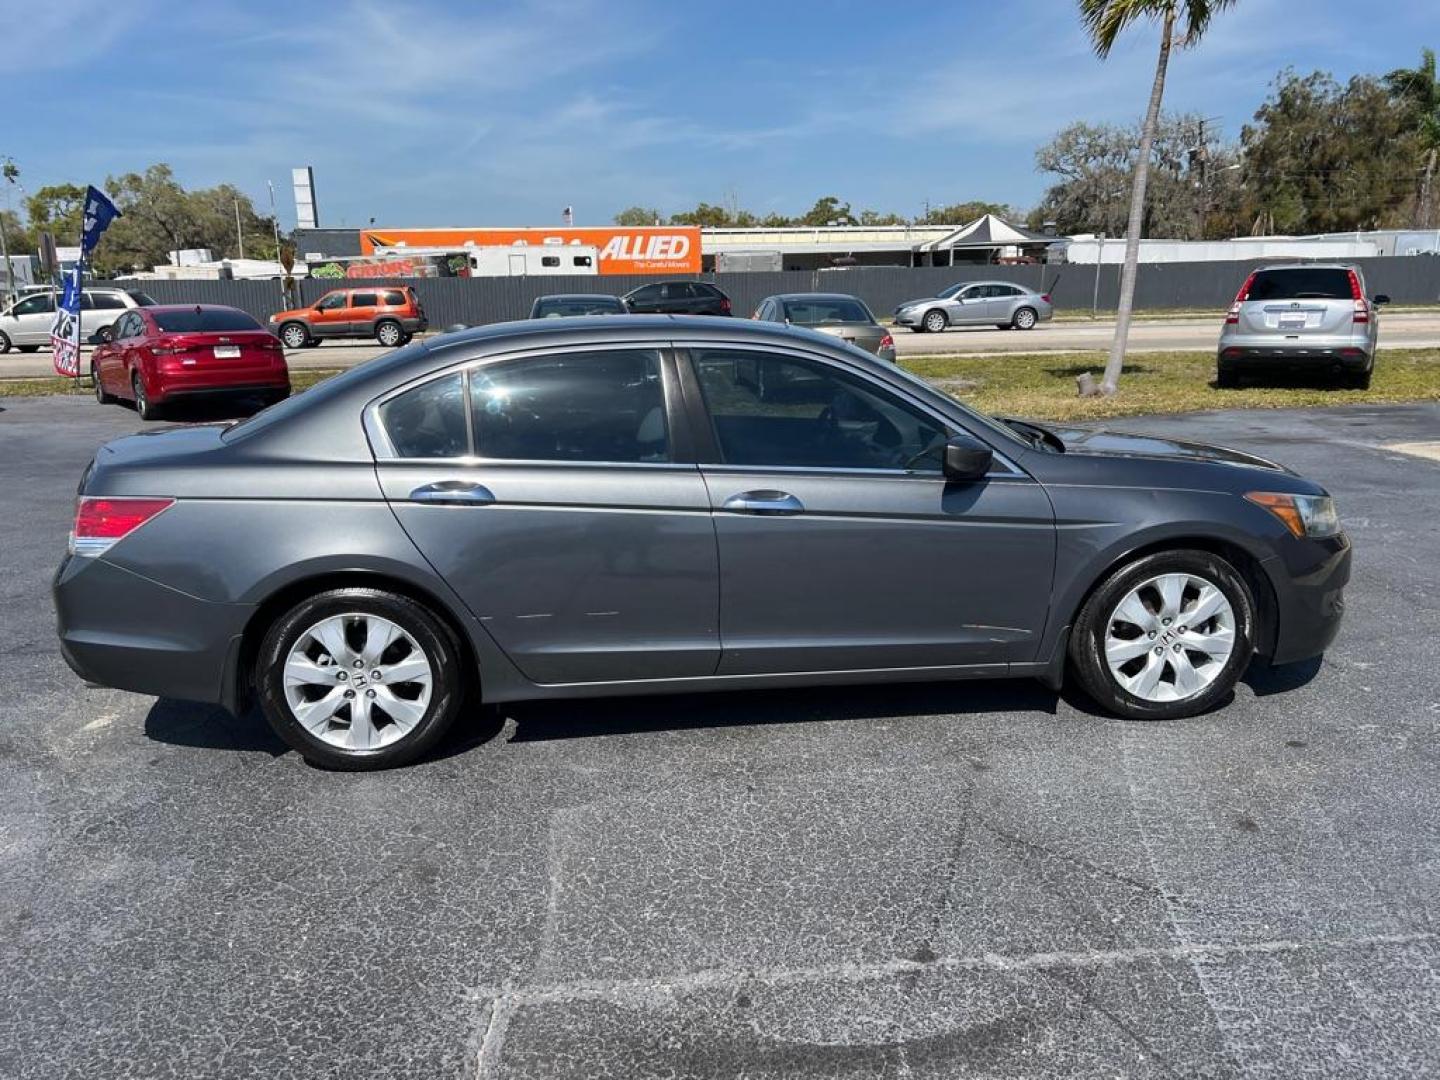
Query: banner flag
[[65, 330]]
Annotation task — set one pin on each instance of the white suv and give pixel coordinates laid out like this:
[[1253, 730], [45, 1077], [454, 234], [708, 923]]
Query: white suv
[[25, 324]]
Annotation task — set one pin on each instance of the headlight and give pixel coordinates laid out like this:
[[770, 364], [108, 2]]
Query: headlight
[[1303, 515]]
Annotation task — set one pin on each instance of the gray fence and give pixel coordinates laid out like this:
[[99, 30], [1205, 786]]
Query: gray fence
[[473, 301]]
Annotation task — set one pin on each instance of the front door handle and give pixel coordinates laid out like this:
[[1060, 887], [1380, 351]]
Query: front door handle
[[763, 502], [453, 493]]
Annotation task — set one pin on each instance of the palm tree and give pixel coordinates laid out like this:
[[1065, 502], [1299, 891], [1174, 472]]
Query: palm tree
[[1104, 20], [1419, 91]]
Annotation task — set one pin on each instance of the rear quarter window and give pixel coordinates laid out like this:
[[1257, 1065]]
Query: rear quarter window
[[393, 298], [1301, 283]]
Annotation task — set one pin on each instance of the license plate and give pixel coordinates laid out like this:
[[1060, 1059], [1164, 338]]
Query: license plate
[[226, 352], [1292, 322]]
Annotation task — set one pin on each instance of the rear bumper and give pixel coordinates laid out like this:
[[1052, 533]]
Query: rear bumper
[[171, 383], [184, 648], [1313, 354], [1309, 580]]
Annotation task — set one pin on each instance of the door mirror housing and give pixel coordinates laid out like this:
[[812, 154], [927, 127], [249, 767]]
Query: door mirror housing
[[966, 458], [105, 335], [1382, 298]]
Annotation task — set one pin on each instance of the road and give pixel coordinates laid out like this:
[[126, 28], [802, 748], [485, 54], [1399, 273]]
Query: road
[[936, 881], [1401, 330]]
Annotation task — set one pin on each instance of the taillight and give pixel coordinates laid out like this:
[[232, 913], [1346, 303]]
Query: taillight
[[887, 342], [725, 304], [1362, 309], [1045, 297], [100, 522], [1233, 315]]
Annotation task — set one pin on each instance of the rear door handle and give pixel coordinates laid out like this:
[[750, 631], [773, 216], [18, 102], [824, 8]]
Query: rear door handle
[[453, 493], [763, 502]]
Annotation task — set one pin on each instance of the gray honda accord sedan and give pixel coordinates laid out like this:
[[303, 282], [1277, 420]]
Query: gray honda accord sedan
[[617, 506]]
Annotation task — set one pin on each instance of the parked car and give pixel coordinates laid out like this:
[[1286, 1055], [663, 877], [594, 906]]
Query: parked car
[[836, 314], [1309, 317], [695, 537], [25, 324], [566, 305], [977, 303], [157, 355], [391, 314], [677, 298]]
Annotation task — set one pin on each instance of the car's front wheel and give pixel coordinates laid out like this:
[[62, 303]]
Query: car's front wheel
[[359, 678], [1165, 636], [5, 344], [934, 321], [294, 335]]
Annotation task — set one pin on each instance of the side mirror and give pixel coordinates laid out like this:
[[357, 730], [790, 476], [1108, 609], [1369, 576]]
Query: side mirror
[[1381, 298], [105, 335], [967, 458]]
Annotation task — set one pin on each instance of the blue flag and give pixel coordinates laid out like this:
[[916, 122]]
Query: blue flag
[[99, 213]]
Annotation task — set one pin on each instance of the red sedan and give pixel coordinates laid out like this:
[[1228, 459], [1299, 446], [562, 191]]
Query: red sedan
[[157, 355]]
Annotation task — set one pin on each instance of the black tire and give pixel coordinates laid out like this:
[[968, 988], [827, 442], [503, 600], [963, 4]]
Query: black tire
[[433, 637], [1226, 379], [5, 344], [389, 333], [294, 335], [1024, 318], [1358, 380], [146, 408], [28, 348], [934, 321], [1087, 638], [407, 339], [100, 395]]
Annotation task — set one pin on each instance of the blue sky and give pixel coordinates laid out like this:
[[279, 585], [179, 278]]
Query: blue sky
[[503, 113]]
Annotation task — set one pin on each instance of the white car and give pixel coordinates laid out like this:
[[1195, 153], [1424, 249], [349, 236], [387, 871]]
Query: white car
[[25, 324]]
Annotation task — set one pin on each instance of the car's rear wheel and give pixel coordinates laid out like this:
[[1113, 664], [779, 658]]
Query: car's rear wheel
[[934, 321], [294, 335], [389, 334], [359, 679], [147, 409], [1165, 636], [1024, 319], [100, 395], [5, 343]]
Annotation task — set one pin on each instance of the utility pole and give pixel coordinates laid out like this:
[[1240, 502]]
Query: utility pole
[[11, 174], [239, 236]]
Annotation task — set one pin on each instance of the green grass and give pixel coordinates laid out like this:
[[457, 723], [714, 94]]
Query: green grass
[[1043, 387]]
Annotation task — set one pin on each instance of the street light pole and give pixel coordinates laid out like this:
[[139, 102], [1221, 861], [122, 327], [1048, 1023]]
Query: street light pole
[[239, 236], [10, 173]]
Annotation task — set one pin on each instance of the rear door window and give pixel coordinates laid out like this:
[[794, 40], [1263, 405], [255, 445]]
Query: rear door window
[[362, 299], [585, 406], [1301, 283], [107, 301]]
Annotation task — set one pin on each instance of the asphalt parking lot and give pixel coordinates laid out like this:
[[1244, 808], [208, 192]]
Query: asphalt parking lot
[[911, 881]]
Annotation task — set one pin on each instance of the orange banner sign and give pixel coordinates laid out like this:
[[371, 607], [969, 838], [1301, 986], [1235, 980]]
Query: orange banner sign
[[658, 249]]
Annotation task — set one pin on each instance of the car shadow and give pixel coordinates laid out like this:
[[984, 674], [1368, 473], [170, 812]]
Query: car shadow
[[1265, 679], [209, 727]]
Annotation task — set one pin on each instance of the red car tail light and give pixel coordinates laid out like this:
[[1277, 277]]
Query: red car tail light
[[725, 304], [887, 342], [100, 522], [1233, 315], [1362, 309], [1045, 297]]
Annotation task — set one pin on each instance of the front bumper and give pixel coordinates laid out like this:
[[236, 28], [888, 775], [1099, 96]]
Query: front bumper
[[1309, 578], [183, 647]]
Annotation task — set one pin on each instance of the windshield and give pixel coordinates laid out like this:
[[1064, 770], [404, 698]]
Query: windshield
[[952, 290], [989, 423], [564, 306], [1301, 283], [826, 310], [204, 320]]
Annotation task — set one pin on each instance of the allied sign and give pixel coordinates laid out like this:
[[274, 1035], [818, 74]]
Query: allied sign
[[657, 249]]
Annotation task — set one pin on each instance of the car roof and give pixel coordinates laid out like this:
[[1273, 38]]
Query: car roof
[[578, 296], [1307, 266], [156, 309], [995, 281], [813, 296]]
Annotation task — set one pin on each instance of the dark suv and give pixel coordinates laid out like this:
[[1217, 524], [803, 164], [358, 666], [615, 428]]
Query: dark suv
[[677, 298]]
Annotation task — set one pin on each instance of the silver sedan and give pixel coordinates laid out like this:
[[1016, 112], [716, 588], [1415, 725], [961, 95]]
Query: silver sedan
[[977, 303], [837, 314]]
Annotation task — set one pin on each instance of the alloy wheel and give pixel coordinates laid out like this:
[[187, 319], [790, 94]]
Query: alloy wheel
[[935, 321], [388, 334], [358, 681], [1170, 637], [294, 336], [1024, 319]]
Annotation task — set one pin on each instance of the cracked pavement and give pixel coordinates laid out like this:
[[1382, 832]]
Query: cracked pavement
[[964, 880]]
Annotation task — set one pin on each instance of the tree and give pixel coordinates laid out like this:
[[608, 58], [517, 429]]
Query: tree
[[1418, 92], [1104, 21], [962, 213], [638, 215], [714, 217], [828, 210], [57, 209], [874, 217], [1326, 157], [1193, 191]]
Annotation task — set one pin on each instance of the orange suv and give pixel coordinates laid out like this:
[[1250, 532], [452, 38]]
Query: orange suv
[[388, 313]]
